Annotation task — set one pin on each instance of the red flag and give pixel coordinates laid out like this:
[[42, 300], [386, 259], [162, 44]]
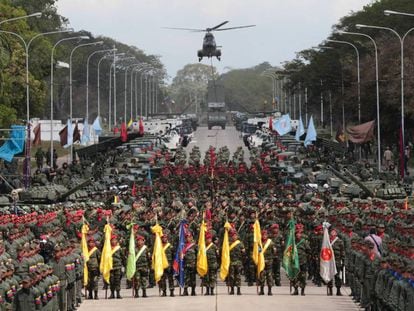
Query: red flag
[[141, 127], [76, 133], [37, 139], [271, 124], [361, 133], [124, 134], [134, 190], [63, 136]]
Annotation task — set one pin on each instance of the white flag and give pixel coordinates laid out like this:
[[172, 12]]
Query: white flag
[[327, 257], [70, 134]]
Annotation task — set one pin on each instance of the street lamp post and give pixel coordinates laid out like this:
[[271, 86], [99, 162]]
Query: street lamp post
[[377, 91], [71, 84], [52, 88], [402, 41], [135, 69], [358, 73], [87, 76]]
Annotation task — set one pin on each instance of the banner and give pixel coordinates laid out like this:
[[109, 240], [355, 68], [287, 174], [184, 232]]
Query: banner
[[310, 133], [178, 264], [159, 259], [202, 266], [290, 261], [282, 125], [15, 144], [361, 133], [97, 126], [106, 258], [85, 132], [131, 265], [327, 269], [300, 130]]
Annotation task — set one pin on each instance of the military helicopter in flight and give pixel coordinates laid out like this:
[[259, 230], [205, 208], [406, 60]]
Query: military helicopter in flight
[[210, 48]]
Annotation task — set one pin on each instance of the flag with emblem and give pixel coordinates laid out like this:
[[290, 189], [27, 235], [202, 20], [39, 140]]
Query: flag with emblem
[[327, 268], [106, 258], [258, 256], [225, 253], [283, 125], [202, 266], [290, 261]]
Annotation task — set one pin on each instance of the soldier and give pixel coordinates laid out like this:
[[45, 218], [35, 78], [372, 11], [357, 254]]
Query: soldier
[[168, 274], [40, 155], [116, 271], [93, 268], [58, 264], [142, 262], [269, 251], [210, 279], [237, 254], [339, 252], [190, 261], [277, 239], [25, 299], [303, 247]]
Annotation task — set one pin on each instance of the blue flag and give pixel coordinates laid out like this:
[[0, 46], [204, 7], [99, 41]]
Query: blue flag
[[85, 133], [178, 264], [97, 126], [311, 133], [282, 125], [300, 130], [15, 144], [69, 140]]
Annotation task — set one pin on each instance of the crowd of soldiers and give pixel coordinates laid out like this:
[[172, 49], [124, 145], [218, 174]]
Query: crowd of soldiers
[[42, 265]]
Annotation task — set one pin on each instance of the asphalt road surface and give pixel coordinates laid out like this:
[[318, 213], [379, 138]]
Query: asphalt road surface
[[314, 300]]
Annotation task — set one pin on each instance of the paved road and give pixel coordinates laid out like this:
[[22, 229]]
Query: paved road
[[216, 137], [315, 298]]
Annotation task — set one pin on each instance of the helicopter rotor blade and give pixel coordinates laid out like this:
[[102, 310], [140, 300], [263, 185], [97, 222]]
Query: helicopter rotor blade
[[238, 27], [218, 26], [188, 29]]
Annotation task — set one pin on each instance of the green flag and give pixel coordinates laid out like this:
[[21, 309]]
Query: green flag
[[130, 268], [290, 256]]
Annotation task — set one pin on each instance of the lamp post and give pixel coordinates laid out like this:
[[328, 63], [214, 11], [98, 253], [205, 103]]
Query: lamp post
[[358, 73], [87, 76], [37, 14], [377, 91], [27, 47], [125, 89], [71, 84], [135, 69], [52, 88], [402, 41]]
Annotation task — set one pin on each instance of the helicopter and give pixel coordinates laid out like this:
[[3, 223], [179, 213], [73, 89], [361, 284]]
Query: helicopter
[[210, 48]]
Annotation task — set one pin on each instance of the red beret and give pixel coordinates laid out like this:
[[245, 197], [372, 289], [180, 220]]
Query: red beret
[[264, 232], [140, 237], [208, 235], [274, 226], [114, 236]]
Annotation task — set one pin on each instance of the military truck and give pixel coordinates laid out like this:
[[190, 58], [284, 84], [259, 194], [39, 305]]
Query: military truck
[[217, 112]]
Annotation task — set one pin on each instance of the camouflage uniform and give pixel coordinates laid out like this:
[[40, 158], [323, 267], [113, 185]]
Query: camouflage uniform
[[168, 274], [339, 252], [303, 248], [116, 273], [237, 253], [266, 276], [93, 273], [190, 261], [142, 265], [210, 279]]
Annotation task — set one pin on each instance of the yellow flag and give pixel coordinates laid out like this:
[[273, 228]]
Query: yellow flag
[[159, 259], [85, 253], [225, 253], [106, 258], [202, 265], [257, 255], [130, 122]]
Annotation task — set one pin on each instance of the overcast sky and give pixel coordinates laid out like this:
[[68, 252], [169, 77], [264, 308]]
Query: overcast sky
[[284, 27]]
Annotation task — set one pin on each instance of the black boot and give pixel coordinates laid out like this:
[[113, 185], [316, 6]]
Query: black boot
[[193, 293], [112, 296], [269, 291], [302, 291], [207, 291], [144, 293], [295, 293], [212, 291], [136, 294], [329, 291], [238, 291], [118, 294], [338, 291], [164, 293], [185, 293], [231, 291], [278, 283], [261, 290], [90, 295], [96, 295], [172, 293]]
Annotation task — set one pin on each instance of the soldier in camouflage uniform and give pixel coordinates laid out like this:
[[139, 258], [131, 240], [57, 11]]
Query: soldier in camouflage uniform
[[25, 299], [190, 262], [266, 276], [277, 239], [339, 252], [168, 274], [303, 247], [116, 271], [93, 269], [142, 263], [237, 254], [210, 279], [58, 264]]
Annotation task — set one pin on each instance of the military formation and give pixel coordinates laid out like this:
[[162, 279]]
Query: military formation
[[42, 266]]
